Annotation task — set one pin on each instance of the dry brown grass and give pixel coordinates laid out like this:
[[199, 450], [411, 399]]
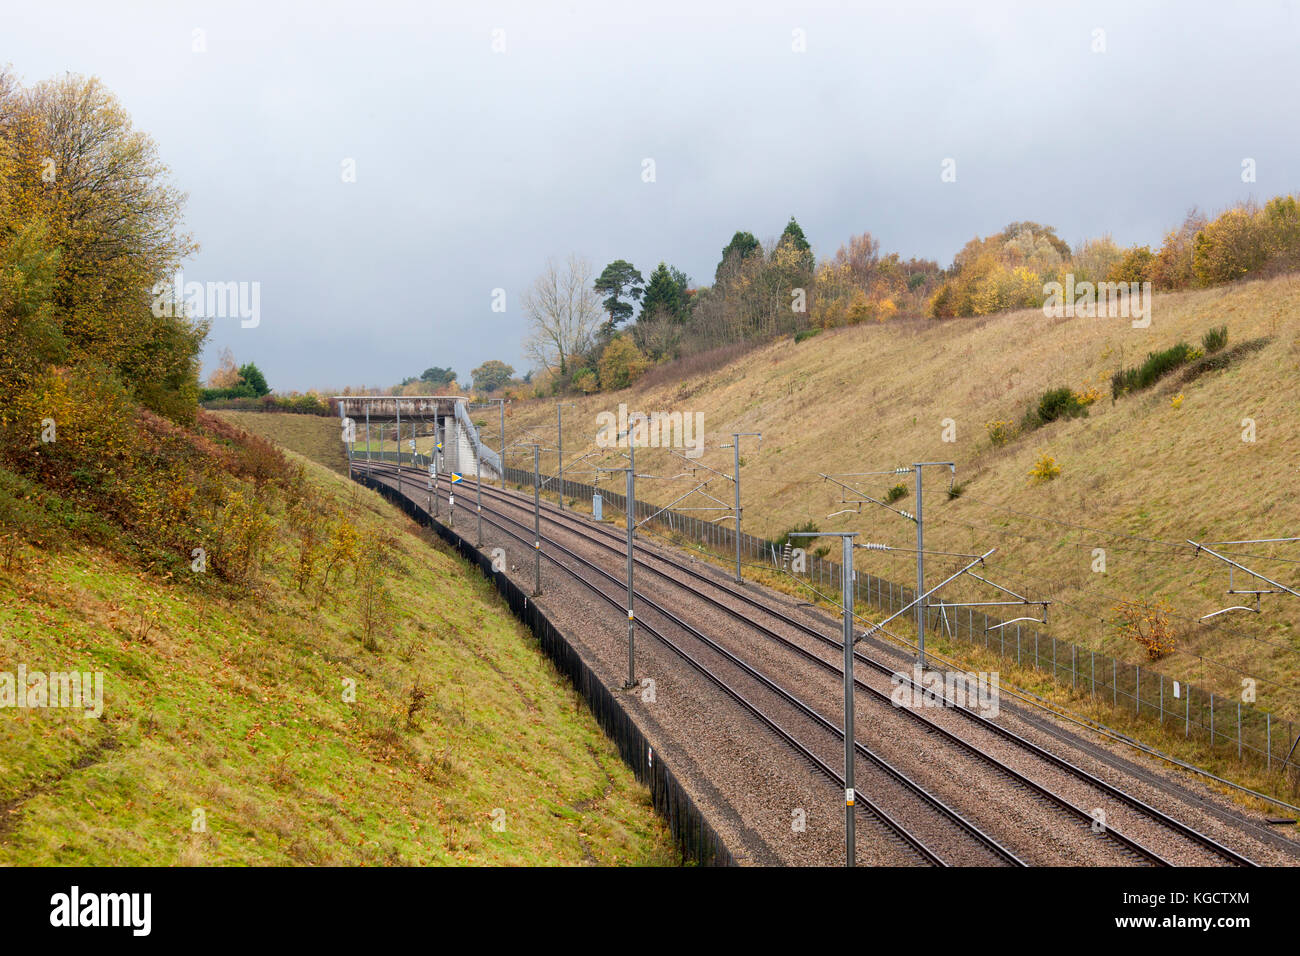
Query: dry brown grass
[[874, 396]]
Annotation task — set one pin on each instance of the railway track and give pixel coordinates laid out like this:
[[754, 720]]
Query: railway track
[[707, 588], [973, 847]]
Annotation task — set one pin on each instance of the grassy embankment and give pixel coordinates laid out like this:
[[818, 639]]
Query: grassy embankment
[[232, 703]]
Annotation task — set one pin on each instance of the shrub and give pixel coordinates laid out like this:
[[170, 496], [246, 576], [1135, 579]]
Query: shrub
[[1156, 367], [807, 526], [1060, 403], [1230, 247], [1045, 469], [1000, 432], [235, 399], [585, 381], [895, 493], [621, 364], [1216, 361], [1147, 623], [803, 334], [1214, 340], [1282, 225], [244, 533]]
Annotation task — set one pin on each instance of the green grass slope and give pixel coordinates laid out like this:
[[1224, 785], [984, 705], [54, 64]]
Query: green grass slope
[[317, 437], [227, 736]]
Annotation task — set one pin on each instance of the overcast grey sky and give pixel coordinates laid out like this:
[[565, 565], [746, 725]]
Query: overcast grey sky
[[473, 166]]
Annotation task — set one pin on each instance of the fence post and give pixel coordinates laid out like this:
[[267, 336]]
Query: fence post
[[1268, 726], [1114, 683], [1211, 720], [1074, 668], [1137, 689], [1238, 730], [1092, 671]]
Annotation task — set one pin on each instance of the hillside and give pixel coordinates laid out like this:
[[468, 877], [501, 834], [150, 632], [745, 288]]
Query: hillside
[[317, 437], [228, 734], [1138, 474]]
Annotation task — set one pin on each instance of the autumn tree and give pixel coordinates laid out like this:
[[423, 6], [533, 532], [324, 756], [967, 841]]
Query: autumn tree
[[563, 312], [492, 375], [226, 374], [621, 363], [79, 179]]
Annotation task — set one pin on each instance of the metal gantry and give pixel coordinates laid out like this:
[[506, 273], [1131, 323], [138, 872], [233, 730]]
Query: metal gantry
[[1277, 588], [918, 470]]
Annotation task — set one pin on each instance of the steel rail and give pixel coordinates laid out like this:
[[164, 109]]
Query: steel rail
[[1079, 773], [898, 829]]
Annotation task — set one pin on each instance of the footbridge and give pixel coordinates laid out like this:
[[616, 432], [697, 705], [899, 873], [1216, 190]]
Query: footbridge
[[436, 430]]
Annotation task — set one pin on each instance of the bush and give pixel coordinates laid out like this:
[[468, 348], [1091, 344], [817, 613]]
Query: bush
[[807, 526], [585, 381], [621, 364], [1060, 403], [1230, 247], [1156, 367], [1214, 340], [1045, 469], [216, 399], [1217, 361], [803, 334], [895, 493], [1000, 432], [1147, 623]]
